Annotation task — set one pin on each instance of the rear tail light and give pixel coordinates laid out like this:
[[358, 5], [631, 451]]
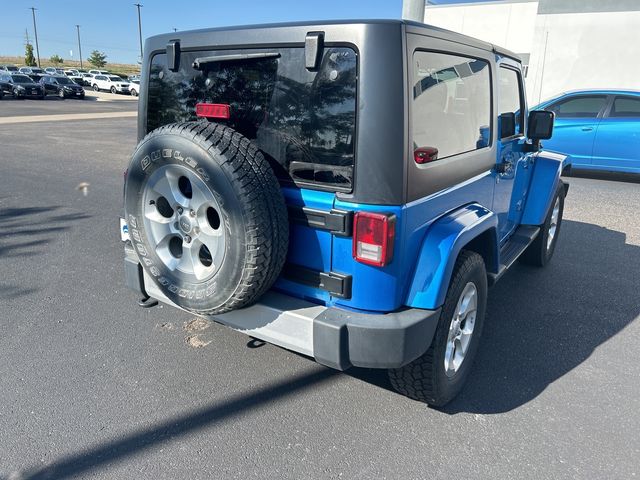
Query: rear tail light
[[213, 110], [373, 238]]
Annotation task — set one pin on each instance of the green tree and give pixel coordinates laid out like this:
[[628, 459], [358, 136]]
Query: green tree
[[29, 59], [97, 59], [57, 59]]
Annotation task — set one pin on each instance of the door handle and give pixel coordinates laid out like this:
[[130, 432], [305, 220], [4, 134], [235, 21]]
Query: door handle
[[587, 129]]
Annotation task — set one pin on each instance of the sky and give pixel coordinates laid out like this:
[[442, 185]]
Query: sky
[[112, 27]]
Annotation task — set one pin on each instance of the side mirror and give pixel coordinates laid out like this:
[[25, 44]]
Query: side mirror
[[540, 126], [424, 155], [507, 124]]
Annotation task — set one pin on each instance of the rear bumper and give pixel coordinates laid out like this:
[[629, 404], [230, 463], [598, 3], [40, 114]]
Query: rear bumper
[[334, 337]]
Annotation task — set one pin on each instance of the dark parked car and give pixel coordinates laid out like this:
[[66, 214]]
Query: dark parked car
[[62, 86], [20, 86], [8, 68]]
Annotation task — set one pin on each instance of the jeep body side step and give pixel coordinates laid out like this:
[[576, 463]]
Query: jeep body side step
[[513, 248]]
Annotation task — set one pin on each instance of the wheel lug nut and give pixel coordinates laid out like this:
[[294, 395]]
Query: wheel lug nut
[[179, 210], [176, 226], [192, 213], [187, 239]]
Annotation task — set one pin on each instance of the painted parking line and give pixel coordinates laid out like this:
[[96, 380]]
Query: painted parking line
[[65, 117]]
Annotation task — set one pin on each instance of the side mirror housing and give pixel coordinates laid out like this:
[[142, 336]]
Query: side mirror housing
[[540, 125]]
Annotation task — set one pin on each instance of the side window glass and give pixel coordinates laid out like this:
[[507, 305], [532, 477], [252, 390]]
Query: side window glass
[[451, 111], [626, 107], [510, 100], [586, 106]]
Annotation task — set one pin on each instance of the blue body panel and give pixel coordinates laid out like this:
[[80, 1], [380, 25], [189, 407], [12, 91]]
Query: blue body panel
[[435, 262], [598, 143], [386, 289], [617, 145], [545, 180], [430, 233], [308, 247]]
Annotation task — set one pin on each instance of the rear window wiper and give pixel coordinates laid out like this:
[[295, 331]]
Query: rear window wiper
[[199, 62]]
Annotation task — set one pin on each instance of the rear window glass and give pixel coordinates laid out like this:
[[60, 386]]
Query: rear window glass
[[21, 79], [451, 112], [625, 107], [579, 107], [303, 121]]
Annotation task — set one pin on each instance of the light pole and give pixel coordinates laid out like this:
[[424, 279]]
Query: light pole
[[79, 47], [35, 31], [139, 28], [413, 10]]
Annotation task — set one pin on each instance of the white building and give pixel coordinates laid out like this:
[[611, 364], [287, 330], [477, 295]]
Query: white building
[[567, 44]]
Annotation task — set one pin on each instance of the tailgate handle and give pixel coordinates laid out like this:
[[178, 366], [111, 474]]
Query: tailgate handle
[[173, 55]]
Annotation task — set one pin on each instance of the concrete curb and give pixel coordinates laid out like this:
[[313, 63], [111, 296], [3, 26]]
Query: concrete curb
[[65, 117]]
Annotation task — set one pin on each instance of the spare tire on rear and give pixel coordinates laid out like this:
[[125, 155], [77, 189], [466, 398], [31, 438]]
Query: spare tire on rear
[[206, 216]]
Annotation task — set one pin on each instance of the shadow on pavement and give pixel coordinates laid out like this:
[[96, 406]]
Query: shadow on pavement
[[27, 231], [610, 176], [542, 323], [173, 428]]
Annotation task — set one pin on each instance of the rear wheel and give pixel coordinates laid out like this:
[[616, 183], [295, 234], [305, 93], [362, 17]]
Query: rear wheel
[[438, 375], [134, 93]]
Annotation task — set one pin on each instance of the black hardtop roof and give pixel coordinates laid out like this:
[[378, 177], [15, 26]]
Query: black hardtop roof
[[416, 27]]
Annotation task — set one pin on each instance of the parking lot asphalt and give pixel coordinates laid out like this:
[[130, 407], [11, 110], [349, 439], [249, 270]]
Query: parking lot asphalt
[[92, 386], [10, 107]]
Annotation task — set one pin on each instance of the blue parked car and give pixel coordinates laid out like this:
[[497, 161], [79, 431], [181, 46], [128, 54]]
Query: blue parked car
[[598, 129], [345, 190]]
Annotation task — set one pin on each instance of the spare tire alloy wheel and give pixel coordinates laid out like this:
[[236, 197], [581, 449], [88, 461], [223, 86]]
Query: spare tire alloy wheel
[[206, 216]]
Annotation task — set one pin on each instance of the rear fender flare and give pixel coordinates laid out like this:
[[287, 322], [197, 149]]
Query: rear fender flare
[[440, 248]]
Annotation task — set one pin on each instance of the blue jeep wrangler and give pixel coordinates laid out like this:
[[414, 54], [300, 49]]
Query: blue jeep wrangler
[[346, 190]]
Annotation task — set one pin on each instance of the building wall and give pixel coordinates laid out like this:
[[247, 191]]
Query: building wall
[[584, 50], [509, 25], [572, 44]]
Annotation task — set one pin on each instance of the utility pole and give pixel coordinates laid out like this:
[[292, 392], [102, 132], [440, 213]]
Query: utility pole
[[139, 28], [413, 10], [175, 29], [35, 31], [79, 47]]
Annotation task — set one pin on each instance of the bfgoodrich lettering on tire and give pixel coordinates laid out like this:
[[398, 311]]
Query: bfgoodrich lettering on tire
[[438, 375], [206, 216]]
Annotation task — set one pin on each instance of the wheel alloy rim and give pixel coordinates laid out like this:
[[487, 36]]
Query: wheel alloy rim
[[553, 225], [184, 224], [461, 329]]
